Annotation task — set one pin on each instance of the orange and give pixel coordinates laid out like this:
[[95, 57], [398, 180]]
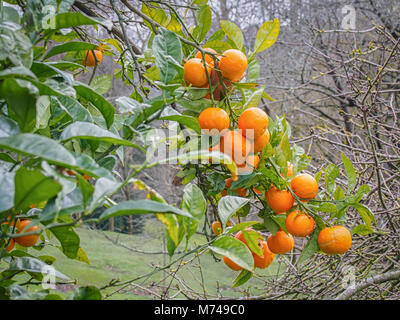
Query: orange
[[304, 186], [261, 141], [240, 191], [240, 236], [334, 240], [299, 224], [281, 242], [289, 172], [194, 72], [253, 122], [214, 119], [90, 61], [232, 64], [279, 200], [10, 245], [209, 58], [250, 164], [86, 177], [231, 264], [29, 240], [233, 144], [266, 259], [259, 262], [216, 228], [12, 242]]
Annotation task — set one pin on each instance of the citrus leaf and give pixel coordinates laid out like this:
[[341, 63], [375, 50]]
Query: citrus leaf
[[235, 250], [228, 206]]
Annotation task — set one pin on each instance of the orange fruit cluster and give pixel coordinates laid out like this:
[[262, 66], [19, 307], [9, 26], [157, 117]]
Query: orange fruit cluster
[[24, 241], [261, 262], [201, 73]]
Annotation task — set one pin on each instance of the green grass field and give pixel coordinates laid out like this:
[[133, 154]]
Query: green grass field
[[109, 261]]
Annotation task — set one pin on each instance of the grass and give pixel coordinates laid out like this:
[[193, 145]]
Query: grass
[[109, 261]]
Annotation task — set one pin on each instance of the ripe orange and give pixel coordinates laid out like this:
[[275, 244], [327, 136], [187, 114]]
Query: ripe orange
[[10, 245], [261, 141], [250, 164], [90, 61], [240, 191], [304, 186], [334, 240], [233, 144], [232, 64], [281, 242], [266, 259], [29, 240], [259, 262], [240, 236], [209, 58], [216, 228], [279, 200], [86, 177], [253, 123], [194, 72], [214, 119], [299, 224], [231, 264]]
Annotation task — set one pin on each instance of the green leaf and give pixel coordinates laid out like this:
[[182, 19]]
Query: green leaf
[[206, 156], [188, 121], [365, 213], [68, 47], [7, 190], [20, 98], [254, 99], [235, 250], [74, 109], [233, 32], [105, 107], [331, 173], [167, 50], [141, 207], [8, 127], [252, 238], [362, 230], [38, 146], [68, 239], [43, 112], [33, 265], [267, 35], [350, 173], [193, 201], [310, 248], [228, 206], [90, 131], [253, 70], [242, 278], [271, 225], [86, 293], [204, 23], [101, 84], [241, 226], [31, 186], [76, 19]]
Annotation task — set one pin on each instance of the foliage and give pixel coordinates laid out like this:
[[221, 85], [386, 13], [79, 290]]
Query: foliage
[[55, 131]]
